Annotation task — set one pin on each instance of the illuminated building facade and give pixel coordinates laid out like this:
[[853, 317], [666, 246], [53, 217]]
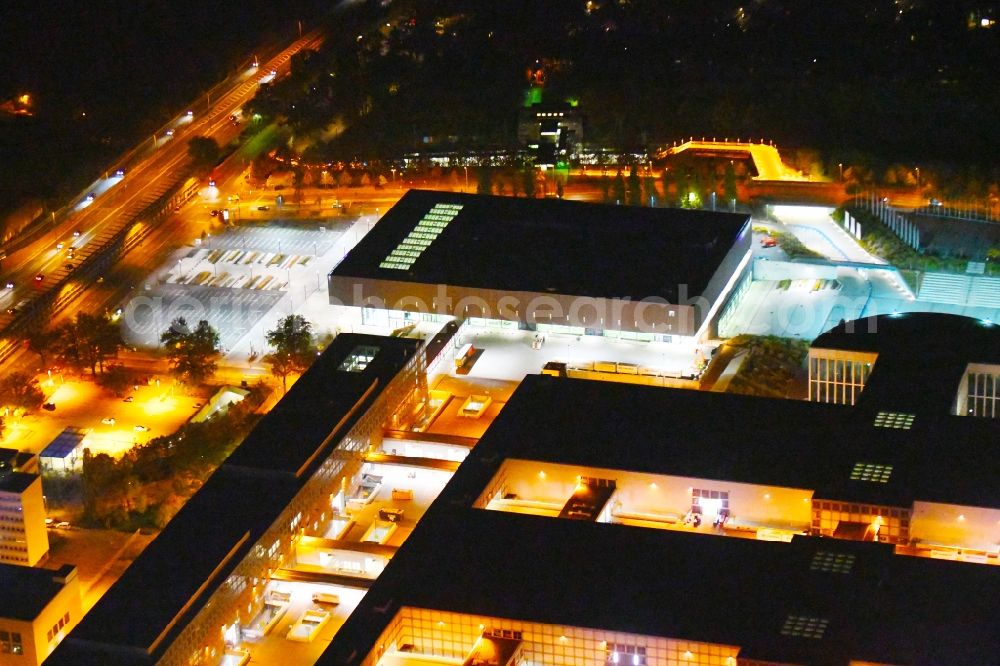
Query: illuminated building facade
[[549, 265], [23, 539], [38, 609], [188, 597]]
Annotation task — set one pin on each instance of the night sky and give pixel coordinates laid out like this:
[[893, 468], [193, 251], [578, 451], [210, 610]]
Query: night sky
[[906, 80]]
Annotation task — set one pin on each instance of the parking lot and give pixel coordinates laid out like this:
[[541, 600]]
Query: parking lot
[[234, 280], [151, 411]]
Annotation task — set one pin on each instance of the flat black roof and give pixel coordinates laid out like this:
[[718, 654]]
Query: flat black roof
[[888, 608], [214, 531], [26, 591], [16, 482], [729, 437], [290, 435], [553, 245], [922, 356]]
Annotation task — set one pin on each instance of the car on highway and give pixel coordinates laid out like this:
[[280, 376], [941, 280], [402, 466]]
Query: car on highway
[[128, 398], [69, 266], [263, 208], [39, 277], [9, 285], [11, 310], [108, 420], [140, 428], [76, 233], [63, 525], [60, 246], [120, 173], [49, 407], [91, 197]]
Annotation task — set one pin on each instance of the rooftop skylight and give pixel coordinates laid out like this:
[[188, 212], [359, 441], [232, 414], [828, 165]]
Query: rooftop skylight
[[358, 359], [830, 562], [871, 472], [804, 626], [895, 420], [430, 226]]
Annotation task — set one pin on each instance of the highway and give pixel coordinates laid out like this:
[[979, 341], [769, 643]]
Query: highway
[[115, 202]]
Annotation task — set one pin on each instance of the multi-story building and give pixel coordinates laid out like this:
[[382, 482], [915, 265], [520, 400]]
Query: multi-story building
[[203, 584], [656, 526], [38, 608], [600, 523], [23, 539], [593, 523], [927, 359]]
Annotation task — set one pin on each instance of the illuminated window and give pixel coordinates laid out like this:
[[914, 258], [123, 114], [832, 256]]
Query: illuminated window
[[804, 626], [871, 472], [430, 226], [626, 655], [894, 420], [358, 359], [827, 561]]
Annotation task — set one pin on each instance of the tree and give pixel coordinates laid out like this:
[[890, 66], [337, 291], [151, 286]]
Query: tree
[[634, 187], [204, 153], [87, 342], [485, 184], [19, 390], [294, 347], [192, 354], [618, 188], [115, 379], [528, 181], [43, 343]]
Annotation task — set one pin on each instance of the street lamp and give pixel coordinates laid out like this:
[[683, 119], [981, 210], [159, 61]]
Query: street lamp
[[466, 177], [840, 165]]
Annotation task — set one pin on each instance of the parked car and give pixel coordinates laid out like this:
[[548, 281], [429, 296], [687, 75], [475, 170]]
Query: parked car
[[768, 241], [49, 407], [128, 398]]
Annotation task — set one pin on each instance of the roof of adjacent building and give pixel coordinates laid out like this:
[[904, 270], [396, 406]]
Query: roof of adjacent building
[[886, 609], [552, 245], [197, 550], [746, 439], [26, 591], [922, 356], [16, 482], [65, 443], [294, 434]]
